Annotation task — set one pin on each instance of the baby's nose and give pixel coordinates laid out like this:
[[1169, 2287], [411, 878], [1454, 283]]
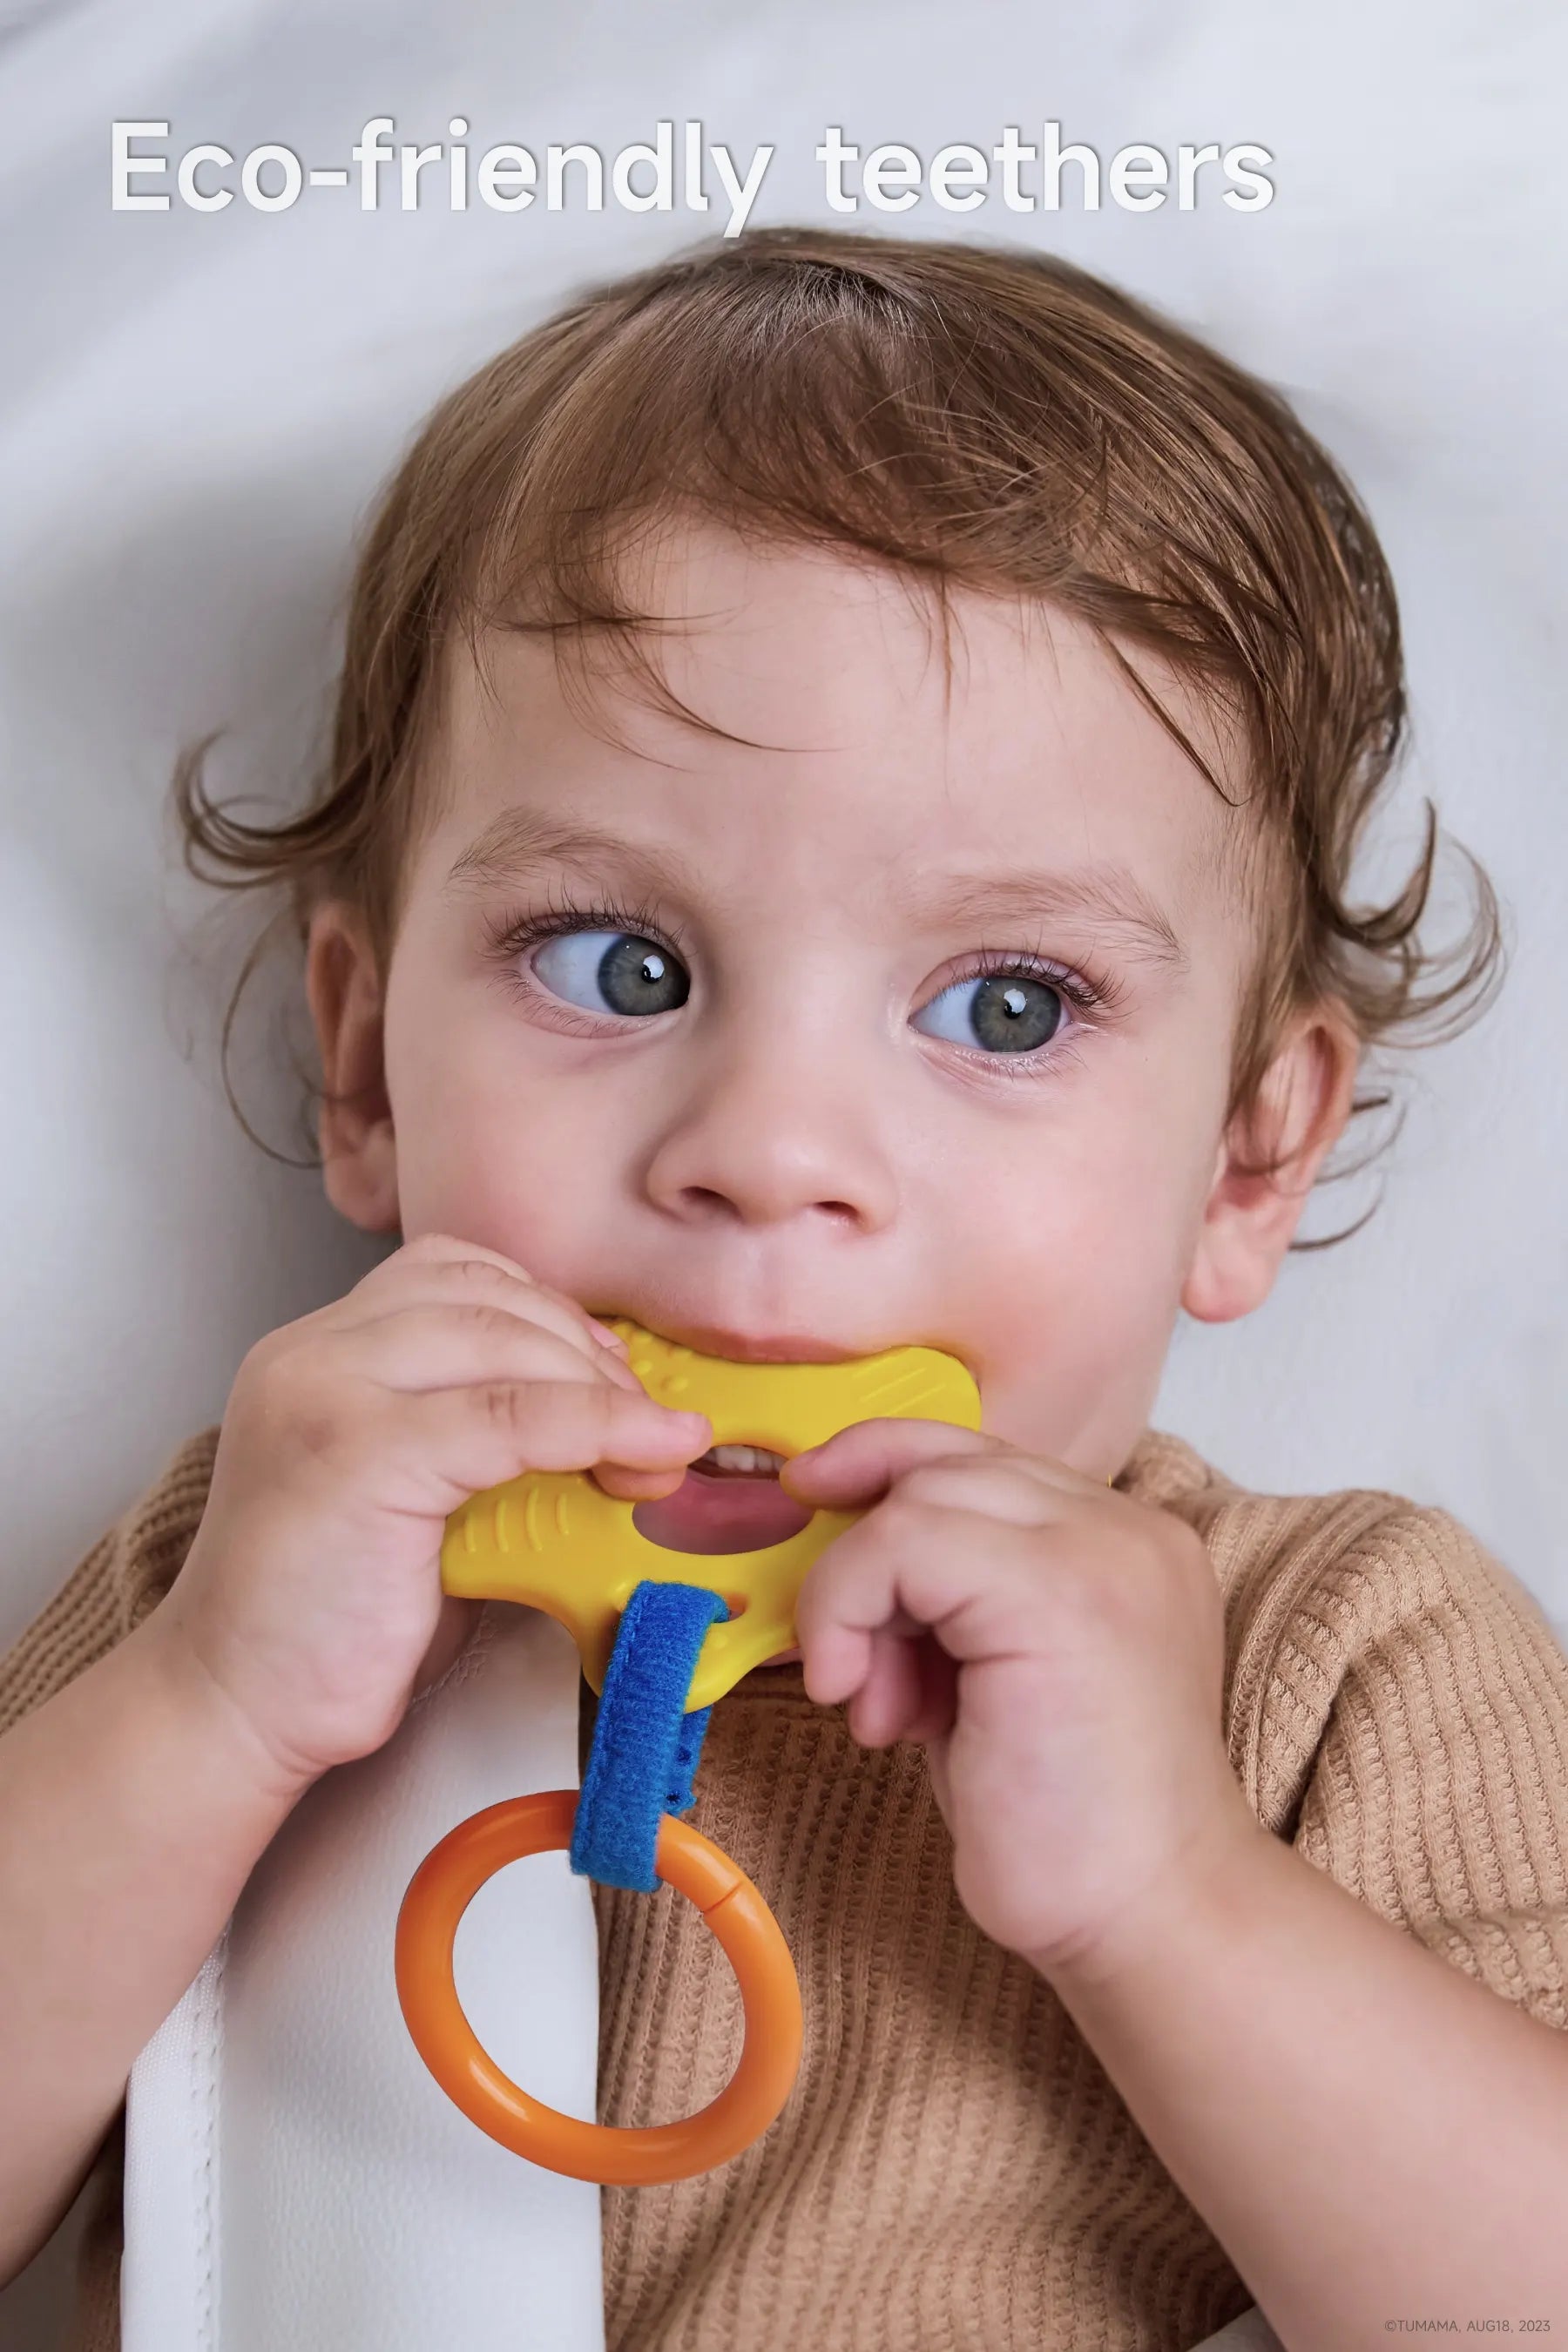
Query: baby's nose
[[767, 1141]]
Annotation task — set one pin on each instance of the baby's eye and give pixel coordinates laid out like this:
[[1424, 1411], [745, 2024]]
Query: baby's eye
[[1010, 1013], [628, 974]]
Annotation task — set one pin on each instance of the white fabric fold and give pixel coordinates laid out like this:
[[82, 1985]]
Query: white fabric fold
[[1250, 2332], [294, 2175]]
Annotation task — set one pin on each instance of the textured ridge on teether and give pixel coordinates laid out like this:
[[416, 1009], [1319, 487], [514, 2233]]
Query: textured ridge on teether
[[556, 1542]]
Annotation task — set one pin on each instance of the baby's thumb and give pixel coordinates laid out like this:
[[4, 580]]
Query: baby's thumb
[[855, 1467]]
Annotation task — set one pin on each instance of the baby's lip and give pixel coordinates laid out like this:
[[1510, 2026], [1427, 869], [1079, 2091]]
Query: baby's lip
[[750, 1347], [785, 1347]]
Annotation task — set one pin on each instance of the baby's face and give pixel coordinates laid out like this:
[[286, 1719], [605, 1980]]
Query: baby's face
[[895, 1023]]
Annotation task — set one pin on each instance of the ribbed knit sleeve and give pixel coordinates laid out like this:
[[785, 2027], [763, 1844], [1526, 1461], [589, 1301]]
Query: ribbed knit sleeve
[[1438, 1794], [113, 1586]]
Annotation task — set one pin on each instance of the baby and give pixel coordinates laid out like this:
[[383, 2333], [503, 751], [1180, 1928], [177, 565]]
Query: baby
[[839, 833]]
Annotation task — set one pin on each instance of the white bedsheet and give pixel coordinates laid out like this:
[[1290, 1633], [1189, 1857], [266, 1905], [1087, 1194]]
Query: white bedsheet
[[293, 2174]]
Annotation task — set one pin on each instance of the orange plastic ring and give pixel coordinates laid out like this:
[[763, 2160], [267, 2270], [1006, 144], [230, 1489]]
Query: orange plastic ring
[[438, 1893]]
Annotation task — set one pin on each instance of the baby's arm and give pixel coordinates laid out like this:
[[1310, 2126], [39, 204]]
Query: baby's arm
[[1330, 2075], [134, 1806], [307, 1613]]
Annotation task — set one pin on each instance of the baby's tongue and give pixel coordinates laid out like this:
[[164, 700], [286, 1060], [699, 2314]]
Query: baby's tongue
[[711, 1512]]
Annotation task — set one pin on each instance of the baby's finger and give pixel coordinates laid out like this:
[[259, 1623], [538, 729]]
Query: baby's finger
[[856, 1467], [1010, 1486], [938, 1710], [436, 1267], [455, 1343], [435, 1250], [636, 1486], [890, 1698], [467, 1439], [917, 1565], [864, 1462], [910, 1690]]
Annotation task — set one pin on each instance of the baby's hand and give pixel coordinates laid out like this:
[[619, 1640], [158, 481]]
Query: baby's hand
[[1060, 1649], [311, 1593]]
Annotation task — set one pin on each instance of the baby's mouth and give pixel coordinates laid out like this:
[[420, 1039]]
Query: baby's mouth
[[739, 1462], [730, 1500]]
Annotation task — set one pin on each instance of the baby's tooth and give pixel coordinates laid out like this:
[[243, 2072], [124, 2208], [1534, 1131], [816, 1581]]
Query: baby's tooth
[[744, 1457]]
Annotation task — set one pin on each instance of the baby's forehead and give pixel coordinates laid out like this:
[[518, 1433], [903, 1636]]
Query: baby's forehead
[[790, 706]]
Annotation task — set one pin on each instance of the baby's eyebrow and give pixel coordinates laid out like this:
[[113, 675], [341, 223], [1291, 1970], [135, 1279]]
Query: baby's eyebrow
[[512, 844], [1108, 896]]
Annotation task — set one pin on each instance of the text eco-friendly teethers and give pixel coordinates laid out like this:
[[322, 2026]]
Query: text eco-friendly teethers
[[557, 1541]]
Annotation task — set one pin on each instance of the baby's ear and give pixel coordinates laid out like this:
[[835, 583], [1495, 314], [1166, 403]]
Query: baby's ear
[[355, 1128], [1268, 1161]]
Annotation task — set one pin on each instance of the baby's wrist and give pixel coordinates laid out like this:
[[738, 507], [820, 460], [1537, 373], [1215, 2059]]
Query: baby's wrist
[[186, 1684], [1213, 1876]]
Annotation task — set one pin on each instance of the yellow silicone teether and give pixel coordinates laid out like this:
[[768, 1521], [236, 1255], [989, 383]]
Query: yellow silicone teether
[[556, 1542]]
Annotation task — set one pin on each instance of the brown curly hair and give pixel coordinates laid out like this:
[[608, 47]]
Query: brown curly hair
[[994, 419]]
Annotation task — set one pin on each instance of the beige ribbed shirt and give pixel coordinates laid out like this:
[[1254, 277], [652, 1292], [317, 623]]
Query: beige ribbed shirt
[[954, 2168]]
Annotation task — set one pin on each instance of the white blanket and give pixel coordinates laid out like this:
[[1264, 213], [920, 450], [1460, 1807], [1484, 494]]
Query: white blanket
[[294, 2176]]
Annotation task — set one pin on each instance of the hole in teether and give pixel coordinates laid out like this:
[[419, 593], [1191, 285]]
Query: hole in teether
[[722, 1514], [736, 1603]]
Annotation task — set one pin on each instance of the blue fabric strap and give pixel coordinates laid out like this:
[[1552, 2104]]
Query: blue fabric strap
[[644, 1750]]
